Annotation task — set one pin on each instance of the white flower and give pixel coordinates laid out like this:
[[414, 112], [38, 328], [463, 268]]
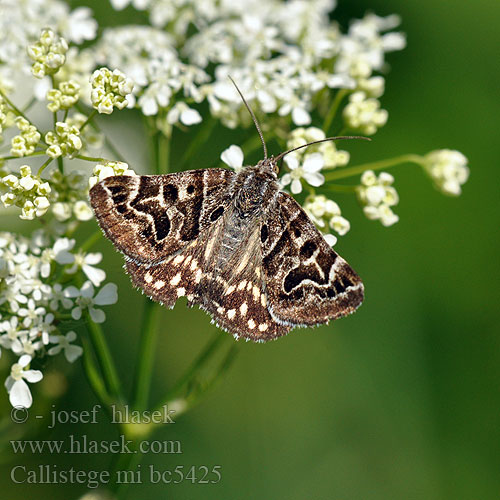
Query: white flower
[[71, 352], [80, 25], [59, 253], [63, 141], [326, 213], [377, 195], [86, 263], [82, 210], [18, 389], [182, 113], [364, 114], [309, 171], [85, 300], [48, 54], [110, 89], [108, 169], [233, 157], [448, 169], [31, 313]]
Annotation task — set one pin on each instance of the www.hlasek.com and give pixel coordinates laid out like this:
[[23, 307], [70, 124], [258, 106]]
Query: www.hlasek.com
[[52, 474]]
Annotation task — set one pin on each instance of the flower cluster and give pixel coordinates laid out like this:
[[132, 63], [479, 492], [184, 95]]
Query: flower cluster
[[109, 89], [282, 55], [377, 195], [33, 303], [63, 141], [109, 169], [63, 97], [27, 192], [26, 142], [448, 169], [4, 110], [48, 54], [363, 113], [326, 214]]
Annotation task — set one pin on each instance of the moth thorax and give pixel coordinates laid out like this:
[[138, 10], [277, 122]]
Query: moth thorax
[[252, 192]]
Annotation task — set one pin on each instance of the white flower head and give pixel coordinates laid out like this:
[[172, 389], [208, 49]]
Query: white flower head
[[85, 300], [377, 196], [18, 389], [364, 114], [110, 89], [448, 169], [309, 170], [108, 169], [71, 352]]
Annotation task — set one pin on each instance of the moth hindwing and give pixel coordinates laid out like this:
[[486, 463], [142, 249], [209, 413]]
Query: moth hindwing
[[232, 243]]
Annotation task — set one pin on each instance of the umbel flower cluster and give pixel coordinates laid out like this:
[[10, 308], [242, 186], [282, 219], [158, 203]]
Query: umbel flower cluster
[[305, 77]]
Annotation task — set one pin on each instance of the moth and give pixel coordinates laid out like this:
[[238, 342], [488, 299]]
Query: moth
[[232, 243]]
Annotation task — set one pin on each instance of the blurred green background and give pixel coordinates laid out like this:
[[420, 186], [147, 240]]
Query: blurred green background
[[400, 400]]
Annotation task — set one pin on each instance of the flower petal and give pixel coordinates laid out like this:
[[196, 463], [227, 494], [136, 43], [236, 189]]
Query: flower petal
[[232, 156], [107, 295], [20, 395]]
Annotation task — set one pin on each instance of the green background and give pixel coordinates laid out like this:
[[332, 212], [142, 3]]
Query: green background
[[400, 400]]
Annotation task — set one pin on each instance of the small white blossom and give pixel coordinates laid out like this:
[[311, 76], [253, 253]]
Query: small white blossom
[[364, 114], [233, 157], [64, 97], [448, 169], [26, 142], [71, 352], [309, 171], [86, 262], [84, 299], [377, 195], [18, 389], [110, 89], [326, 214], [109, 169], [182, 113], [64, 141], [48, 54]]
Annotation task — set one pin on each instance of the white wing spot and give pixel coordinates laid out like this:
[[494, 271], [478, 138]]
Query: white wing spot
[[230, 290], [251, 324], [242, 285], [220, 310], [256, 293], [249, 286], [148, 278], [194, 264], [176, 279], [243, 308], [263, 300], [159, 284], [190, 297], [178, 259], [263, 327], [231, 313], [188, 260], [257, 272], [197, 277], [181, 292]]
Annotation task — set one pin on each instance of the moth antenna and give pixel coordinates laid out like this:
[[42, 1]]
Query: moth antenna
[[253, 117], [341, 137]]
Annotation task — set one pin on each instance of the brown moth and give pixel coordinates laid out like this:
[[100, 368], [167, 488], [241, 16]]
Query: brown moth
[[233, 243]]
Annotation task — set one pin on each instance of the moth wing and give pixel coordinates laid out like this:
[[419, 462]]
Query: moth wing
[[150, 217], [235, 295], [307, 283]]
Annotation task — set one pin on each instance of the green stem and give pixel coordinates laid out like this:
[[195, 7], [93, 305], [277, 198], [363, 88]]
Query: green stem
[[342, 173], [149, 334], [339, 188], [93, 375], [47, 162], [332, 111], [36, 153], [14, 108], [28, 106], [163, 155], [104, 357], [199, 139], [197, 365], [91, 241], [60, 164], [84, 124], [91, 158]]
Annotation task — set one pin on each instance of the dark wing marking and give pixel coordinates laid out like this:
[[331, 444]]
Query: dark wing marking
[[150, 217], [307, 283]]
